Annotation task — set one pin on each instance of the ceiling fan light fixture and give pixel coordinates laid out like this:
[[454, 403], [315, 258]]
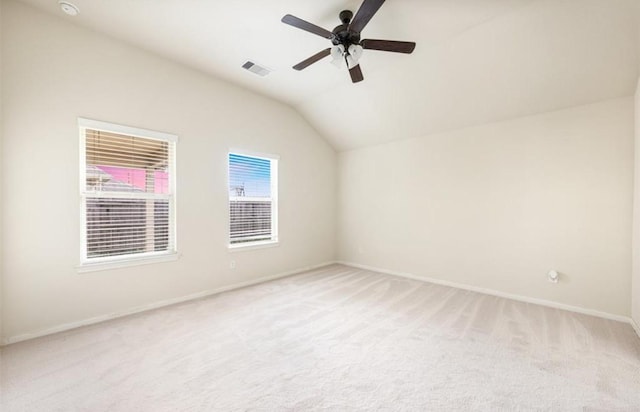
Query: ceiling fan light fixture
[[353, 55], [337, 53], [351, 62], [355, 51]]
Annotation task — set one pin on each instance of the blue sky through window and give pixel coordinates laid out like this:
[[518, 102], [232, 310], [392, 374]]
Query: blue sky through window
[[249, 176]]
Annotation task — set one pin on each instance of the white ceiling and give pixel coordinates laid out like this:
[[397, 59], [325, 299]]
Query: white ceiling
[[476, 61]]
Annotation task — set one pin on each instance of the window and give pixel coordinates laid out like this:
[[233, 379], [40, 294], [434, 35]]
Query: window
[[127, 181], [253, 194]]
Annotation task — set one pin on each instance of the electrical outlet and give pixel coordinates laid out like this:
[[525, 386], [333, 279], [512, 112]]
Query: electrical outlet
[[232, 264]]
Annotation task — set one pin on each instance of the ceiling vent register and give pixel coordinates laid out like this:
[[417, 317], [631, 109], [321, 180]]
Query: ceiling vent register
[[256, 68]]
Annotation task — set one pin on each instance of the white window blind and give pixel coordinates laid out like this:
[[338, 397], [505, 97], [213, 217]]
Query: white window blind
[[252, 199], [127, 192]]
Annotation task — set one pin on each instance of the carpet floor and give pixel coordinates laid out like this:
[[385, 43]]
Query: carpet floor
[[335, 339]]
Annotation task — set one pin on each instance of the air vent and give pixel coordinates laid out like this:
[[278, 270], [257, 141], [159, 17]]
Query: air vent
[[256, 68]]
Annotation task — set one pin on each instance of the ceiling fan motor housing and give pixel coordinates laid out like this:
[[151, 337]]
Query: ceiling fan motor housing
[[341, 33]]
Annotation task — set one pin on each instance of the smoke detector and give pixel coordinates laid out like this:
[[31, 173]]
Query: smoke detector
[[69, 8]]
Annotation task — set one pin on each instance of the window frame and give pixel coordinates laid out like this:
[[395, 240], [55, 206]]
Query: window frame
[[274, 162], [88, 264]]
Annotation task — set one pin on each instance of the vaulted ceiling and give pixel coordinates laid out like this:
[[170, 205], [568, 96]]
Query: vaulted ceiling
[[476, 61]]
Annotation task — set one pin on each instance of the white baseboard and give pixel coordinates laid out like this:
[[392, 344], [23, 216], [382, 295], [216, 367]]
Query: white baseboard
[[155, 305], [492, 292], [168, 302]]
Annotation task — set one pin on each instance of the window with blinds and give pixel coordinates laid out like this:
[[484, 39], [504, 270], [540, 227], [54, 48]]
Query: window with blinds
[[127, 191], [253, 193]]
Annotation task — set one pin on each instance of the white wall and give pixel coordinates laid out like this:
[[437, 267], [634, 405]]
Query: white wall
[[1, 167], [499, 205], [635, 292], [635, 298], [52, 73]]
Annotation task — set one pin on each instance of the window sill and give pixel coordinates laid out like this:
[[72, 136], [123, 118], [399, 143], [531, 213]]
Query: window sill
[[116, 264], [254, 245]]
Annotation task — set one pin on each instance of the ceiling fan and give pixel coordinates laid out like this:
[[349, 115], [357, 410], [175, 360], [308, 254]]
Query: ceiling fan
[[346, 39]]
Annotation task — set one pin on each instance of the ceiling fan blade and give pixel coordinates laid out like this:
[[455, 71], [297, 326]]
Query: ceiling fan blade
[[364, 14], [308, 62], [356, 74], [306, 26], [388, 45]]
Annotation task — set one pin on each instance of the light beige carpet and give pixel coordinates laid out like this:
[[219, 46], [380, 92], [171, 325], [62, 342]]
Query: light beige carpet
[[332, 339]]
